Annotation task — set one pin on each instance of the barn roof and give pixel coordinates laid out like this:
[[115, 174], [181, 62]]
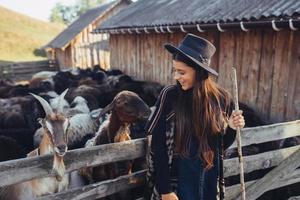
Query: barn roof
[[77, 26], [149, 13]]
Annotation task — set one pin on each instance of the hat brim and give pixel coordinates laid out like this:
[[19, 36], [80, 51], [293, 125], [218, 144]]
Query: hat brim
[[173, 50]]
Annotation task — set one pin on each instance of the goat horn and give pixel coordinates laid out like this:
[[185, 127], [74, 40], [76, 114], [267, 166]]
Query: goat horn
[[47, 108], [61, 98], [63, 94]]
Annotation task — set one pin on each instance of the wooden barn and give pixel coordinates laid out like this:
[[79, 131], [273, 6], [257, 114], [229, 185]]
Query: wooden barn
[[76, 46], [259, 38]]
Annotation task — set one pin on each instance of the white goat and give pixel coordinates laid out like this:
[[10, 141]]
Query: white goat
[[78, 105], [54, 141]]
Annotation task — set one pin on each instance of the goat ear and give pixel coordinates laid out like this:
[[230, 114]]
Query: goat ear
[[40, 121], [60, 100]]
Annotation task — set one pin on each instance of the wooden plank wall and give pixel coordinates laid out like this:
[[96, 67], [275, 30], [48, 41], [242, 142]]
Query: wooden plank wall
[[85, 51], [267, 62]]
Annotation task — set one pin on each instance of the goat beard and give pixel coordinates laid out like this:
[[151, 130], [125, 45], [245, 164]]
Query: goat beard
[[58, 167], [123, 134]]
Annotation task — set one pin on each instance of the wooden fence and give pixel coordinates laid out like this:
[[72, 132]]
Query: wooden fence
[[285, 162], [21, 71]]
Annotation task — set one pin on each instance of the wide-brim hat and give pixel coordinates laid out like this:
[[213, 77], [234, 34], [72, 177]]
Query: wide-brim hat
[[197, 49]]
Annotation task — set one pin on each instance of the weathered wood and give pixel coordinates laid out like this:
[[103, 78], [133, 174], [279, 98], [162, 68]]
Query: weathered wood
[[226, 60], [269, 133], [294, 198], [280, 75], [147, 55], [293, 97], [244, 73], [238, 134], [253, 64], [29, 65], [24, 70], [101, 189], [286, 167], [259, 161], [33, 66], [84, 49], [68, 58], [266, 73], [29, 168], [238, 55], [131, 65], [1, 71], [292, 178], [31, 70], [138, 55]]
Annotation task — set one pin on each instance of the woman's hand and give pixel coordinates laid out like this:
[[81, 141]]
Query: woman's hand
[[236, 120], [169, 196]]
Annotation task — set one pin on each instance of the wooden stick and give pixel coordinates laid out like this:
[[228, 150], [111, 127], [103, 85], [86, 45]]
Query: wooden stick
[[238, 135]]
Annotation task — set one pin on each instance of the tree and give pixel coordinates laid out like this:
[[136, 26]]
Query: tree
[[67, 14], [64, 14]]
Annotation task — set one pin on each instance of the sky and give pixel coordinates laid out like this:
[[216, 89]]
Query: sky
[[39, 9]]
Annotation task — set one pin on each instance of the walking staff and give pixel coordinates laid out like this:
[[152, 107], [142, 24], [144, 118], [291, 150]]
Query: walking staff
[[238, 135]]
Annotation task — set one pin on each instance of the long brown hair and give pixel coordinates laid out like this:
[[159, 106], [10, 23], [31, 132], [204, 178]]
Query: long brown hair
[[200, 112]]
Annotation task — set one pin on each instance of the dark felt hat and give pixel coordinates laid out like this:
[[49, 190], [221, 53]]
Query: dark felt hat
[[197, 49]]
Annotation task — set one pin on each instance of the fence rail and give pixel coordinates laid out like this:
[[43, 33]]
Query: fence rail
[[292, 178], [268, 133], [101, 189], [29, 168], [25, 169], [20, 71], [259, 161]]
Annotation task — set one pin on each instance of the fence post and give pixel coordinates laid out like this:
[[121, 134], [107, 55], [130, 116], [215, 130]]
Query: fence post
[[1, 72]]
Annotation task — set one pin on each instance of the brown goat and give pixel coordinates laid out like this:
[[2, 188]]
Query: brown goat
[[54, 141], [126, 108]]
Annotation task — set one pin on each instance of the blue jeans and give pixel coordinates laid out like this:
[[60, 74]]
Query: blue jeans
[[193, 182]]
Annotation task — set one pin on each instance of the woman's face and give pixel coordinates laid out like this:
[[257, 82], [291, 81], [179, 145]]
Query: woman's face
[[184, 74]]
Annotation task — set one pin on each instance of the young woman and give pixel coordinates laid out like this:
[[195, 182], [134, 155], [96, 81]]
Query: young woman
[[192, 125]]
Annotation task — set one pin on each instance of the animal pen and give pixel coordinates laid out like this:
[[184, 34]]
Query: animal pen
[[283, 161], [267, 60]]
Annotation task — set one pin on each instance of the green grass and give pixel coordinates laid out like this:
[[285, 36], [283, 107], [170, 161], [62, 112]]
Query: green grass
[[22, 37]]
